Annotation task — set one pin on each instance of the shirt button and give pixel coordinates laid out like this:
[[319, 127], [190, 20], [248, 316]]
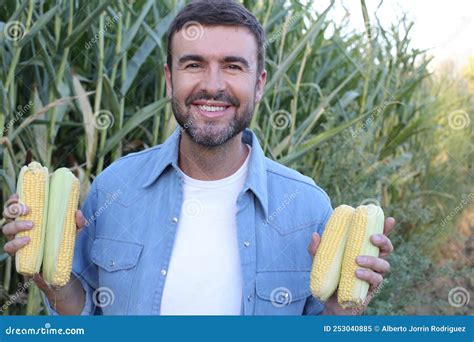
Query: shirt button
[[246, 243], [163, 272], [174, 220], [250, 297], [111, 263]]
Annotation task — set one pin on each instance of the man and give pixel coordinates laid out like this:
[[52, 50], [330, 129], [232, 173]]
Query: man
[[204, 223]]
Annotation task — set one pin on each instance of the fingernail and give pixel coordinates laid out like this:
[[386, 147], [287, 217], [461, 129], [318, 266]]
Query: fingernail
[[24, 239], [377, 238], [361, 259], [359, 272], [29, 224]]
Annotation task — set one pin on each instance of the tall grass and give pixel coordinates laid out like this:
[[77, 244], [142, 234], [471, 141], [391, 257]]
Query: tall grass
[[82, 84]]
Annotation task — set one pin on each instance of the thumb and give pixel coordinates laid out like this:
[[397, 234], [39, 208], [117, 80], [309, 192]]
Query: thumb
[[313, 246], [39, 280]]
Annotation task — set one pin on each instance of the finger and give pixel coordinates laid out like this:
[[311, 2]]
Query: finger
[[383, 243], [13, 209], [14, 197], [40, 282], [373, 278], [313, 246], [14, 245], [388, 225], [376, 264], [80, 220], [12, 228]]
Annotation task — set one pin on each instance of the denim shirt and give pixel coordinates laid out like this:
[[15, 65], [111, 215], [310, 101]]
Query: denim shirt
[[122, 255]]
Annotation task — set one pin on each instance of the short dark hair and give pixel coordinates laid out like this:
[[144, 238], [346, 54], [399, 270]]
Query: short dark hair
[[219, 12]]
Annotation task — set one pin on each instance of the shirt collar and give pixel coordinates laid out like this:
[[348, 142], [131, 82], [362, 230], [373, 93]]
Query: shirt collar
[[256, 178]]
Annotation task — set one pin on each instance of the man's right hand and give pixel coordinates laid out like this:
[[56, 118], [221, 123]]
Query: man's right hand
[[14, 209]]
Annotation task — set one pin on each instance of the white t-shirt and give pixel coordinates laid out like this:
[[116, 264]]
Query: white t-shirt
[[204, 275]]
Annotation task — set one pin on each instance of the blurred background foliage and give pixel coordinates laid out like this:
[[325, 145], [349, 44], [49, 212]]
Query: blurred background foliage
[[81, 84]]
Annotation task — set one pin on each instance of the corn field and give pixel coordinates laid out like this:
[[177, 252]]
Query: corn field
[[82, 84]]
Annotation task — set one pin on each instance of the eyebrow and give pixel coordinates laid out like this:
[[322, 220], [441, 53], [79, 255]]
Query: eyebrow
[[236, 59], [187, 58], [226, 59]]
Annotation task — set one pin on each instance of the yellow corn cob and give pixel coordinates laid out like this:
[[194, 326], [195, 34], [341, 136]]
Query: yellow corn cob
[[367, 220], [32, 189], [327, 262], [61, 227]]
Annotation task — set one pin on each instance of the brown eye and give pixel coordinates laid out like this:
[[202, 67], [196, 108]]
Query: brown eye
[[192, 66], [234, 67]]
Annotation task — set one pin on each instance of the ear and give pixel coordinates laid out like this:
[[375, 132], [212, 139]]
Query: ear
[[261, 80], [169, 85]]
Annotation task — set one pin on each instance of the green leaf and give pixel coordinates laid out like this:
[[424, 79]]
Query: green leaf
[[133, 30], [146, 48], [38, 25], [311, 143], [292, 58], [137, 118], [80, 29]]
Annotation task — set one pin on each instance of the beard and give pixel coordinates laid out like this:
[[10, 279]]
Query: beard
[[210, 134]]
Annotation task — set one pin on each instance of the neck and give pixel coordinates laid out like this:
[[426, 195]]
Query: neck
[[211, 163]]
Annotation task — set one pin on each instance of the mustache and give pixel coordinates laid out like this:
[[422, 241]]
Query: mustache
[[221, 96]]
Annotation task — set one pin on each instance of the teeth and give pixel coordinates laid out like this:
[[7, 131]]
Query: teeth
[[211, 108]]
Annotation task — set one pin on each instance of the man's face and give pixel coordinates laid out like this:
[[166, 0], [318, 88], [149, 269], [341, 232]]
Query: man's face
[[214, 83]]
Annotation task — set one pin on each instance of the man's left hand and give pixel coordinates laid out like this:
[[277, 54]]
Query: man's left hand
[[372, 271]]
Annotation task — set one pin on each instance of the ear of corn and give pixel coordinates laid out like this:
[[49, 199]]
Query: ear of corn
[[328, 259], [61, 227], [346, 236], [32, 189], [367, 220]]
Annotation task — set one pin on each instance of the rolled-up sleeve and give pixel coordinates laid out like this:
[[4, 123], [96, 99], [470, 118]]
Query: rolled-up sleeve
[[82, 267]]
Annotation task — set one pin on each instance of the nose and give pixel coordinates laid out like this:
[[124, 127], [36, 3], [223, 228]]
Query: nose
[[213, 81]]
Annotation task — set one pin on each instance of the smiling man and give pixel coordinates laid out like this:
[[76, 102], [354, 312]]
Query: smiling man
[[204, 223]]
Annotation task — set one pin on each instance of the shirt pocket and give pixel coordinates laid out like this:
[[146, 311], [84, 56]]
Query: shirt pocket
[[281, 292], [285, 227], [283, 246], [117, 262]]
